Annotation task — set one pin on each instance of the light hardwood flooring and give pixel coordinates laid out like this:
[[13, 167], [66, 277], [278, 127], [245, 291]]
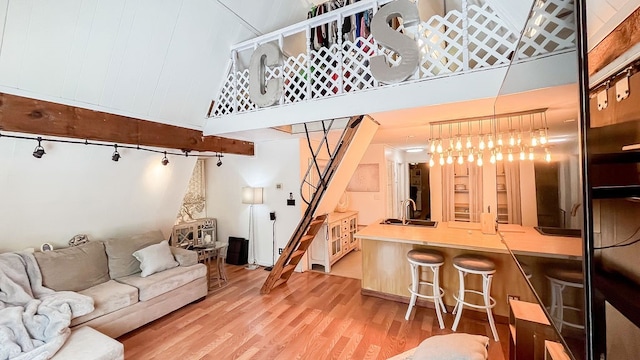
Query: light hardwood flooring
[[313, 316]]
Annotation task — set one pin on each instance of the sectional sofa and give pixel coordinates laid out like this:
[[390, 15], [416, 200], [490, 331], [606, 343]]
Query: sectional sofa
[[124, 297]]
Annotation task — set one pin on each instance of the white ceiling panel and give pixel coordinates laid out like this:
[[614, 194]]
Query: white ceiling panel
[[604, 15], [104, 32], [14, 42]]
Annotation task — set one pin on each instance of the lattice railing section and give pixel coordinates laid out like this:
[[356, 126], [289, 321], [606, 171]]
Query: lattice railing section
[[458, 42], [551, 28]]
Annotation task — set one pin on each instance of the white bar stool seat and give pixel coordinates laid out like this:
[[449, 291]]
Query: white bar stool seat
[[560, 279], [433, 260], [476, 265]]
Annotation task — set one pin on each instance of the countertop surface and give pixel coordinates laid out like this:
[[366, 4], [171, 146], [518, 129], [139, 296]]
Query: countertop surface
[[521, 240]]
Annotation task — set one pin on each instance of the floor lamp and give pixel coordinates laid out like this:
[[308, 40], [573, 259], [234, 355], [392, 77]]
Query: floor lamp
[[252, 196]]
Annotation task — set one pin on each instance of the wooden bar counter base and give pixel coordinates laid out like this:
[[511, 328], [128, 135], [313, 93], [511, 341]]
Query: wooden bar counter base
[[386, 271]]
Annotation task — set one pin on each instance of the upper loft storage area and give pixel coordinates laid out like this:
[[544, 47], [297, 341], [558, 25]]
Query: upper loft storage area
[[327, 62]]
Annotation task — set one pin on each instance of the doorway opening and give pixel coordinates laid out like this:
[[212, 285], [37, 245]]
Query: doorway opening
[[419, 191]]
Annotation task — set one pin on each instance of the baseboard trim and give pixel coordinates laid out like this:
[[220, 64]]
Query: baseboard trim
[[468, 312]]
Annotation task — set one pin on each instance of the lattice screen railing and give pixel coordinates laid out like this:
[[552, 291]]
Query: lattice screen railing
[[460, 41]]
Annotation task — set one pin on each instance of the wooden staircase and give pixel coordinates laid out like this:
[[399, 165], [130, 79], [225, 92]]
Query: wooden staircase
[[309, 225]]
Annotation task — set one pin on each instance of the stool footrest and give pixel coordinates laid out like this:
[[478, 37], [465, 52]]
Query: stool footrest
[[492, 301]]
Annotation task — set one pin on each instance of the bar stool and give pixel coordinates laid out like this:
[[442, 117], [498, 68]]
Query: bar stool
[[433, 260], [476, 265], [560, 278], [526, 269]]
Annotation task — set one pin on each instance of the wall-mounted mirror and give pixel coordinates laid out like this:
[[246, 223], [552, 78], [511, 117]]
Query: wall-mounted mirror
[[538, 184]]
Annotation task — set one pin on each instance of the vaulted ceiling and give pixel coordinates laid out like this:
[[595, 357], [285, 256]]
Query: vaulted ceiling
[[160, 60]]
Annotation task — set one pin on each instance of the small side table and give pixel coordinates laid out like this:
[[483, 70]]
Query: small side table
[[210, 255]]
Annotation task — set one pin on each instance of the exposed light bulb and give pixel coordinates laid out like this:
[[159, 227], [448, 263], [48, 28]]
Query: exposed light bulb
[[534, 140], [460, 159], [490, 142], [432, 148], [449, 159], [458, 144], [510, 156], [492, 159], [522, 154], [512, 140], [470, 157], [531, 155], [481, 144], [543, 137], [519, 139], [479, 160], [439, 147], [547, 156], [431, 162], [499, 155], [500, 143], [441, 161], [469, 144]]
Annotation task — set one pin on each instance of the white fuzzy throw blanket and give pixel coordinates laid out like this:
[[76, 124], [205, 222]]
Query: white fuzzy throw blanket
[[34, 320]]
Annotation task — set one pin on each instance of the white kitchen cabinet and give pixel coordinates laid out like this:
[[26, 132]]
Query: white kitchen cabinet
[[335, 240]]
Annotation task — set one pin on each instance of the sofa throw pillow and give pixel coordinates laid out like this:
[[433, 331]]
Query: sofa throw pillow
[[453, 347], [75, 268], [155, 258], [120, 250]]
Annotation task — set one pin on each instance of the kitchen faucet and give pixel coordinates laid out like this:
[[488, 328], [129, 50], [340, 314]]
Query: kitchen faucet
[[404, 209]]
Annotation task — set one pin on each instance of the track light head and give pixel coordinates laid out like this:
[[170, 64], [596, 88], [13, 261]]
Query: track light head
[[39, 150], [219, 163], [165, 161], [219, 156], [116, 155]]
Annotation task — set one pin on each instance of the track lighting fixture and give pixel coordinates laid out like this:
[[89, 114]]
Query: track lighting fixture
[[165, 161], [39, 150], [219, 156], [116, 155]]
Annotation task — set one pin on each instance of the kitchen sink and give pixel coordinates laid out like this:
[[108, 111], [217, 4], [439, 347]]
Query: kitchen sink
[[555, 231], [412, 222]]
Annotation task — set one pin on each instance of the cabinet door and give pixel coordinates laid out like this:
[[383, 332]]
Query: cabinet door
[[335, 237], [353, 228]]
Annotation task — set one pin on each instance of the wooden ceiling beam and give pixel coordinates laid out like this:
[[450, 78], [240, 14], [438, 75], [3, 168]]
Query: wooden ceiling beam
[[621, 39], [26, 115]]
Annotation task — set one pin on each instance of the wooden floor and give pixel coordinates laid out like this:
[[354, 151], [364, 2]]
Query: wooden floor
[[313, 316]]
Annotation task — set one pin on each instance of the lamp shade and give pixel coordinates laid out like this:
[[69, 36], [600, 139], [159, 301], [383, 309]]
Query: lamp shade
[[251, 195]]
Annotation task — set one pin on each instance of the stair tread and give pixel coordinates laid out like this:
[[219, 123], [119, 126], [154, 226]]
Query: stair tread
[[307, 238]]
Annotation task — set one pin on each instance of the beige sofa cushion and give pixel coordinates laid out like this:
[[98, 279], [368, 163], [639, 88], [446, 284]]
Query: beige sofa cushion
[[155, 258], [164, 281], [184, 257], [74, 268], [87, 343], [107, 298], [120, 250]]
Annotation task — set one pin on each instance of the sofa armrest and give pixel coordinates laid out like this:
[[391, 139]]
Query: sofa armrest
[[184, 257]]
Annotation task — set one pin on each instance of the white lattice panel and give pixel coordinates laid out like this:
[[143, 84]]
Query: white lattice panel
[[325, 72], [345, 67], [441, 40], [224, 104], [355, 64], [490, 40], [551, 28], [295, 79]]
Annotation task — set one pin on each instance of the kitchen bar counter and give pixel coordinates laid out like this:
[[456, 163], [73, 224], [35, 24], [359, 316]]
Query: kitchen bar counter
[[386, 270]]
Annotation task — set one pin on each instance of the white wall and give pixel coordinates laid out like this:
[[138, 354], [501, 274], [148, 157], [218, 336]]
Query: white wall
[[371, 205], [275, 162], [77, 189]]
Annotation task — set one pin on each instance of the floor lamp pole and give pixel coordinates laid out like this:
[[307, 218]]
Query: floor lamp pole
[[253, 265]]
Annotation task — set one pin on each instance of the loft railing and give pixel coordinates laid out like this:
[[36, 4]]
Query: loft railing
[[461, 41]]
